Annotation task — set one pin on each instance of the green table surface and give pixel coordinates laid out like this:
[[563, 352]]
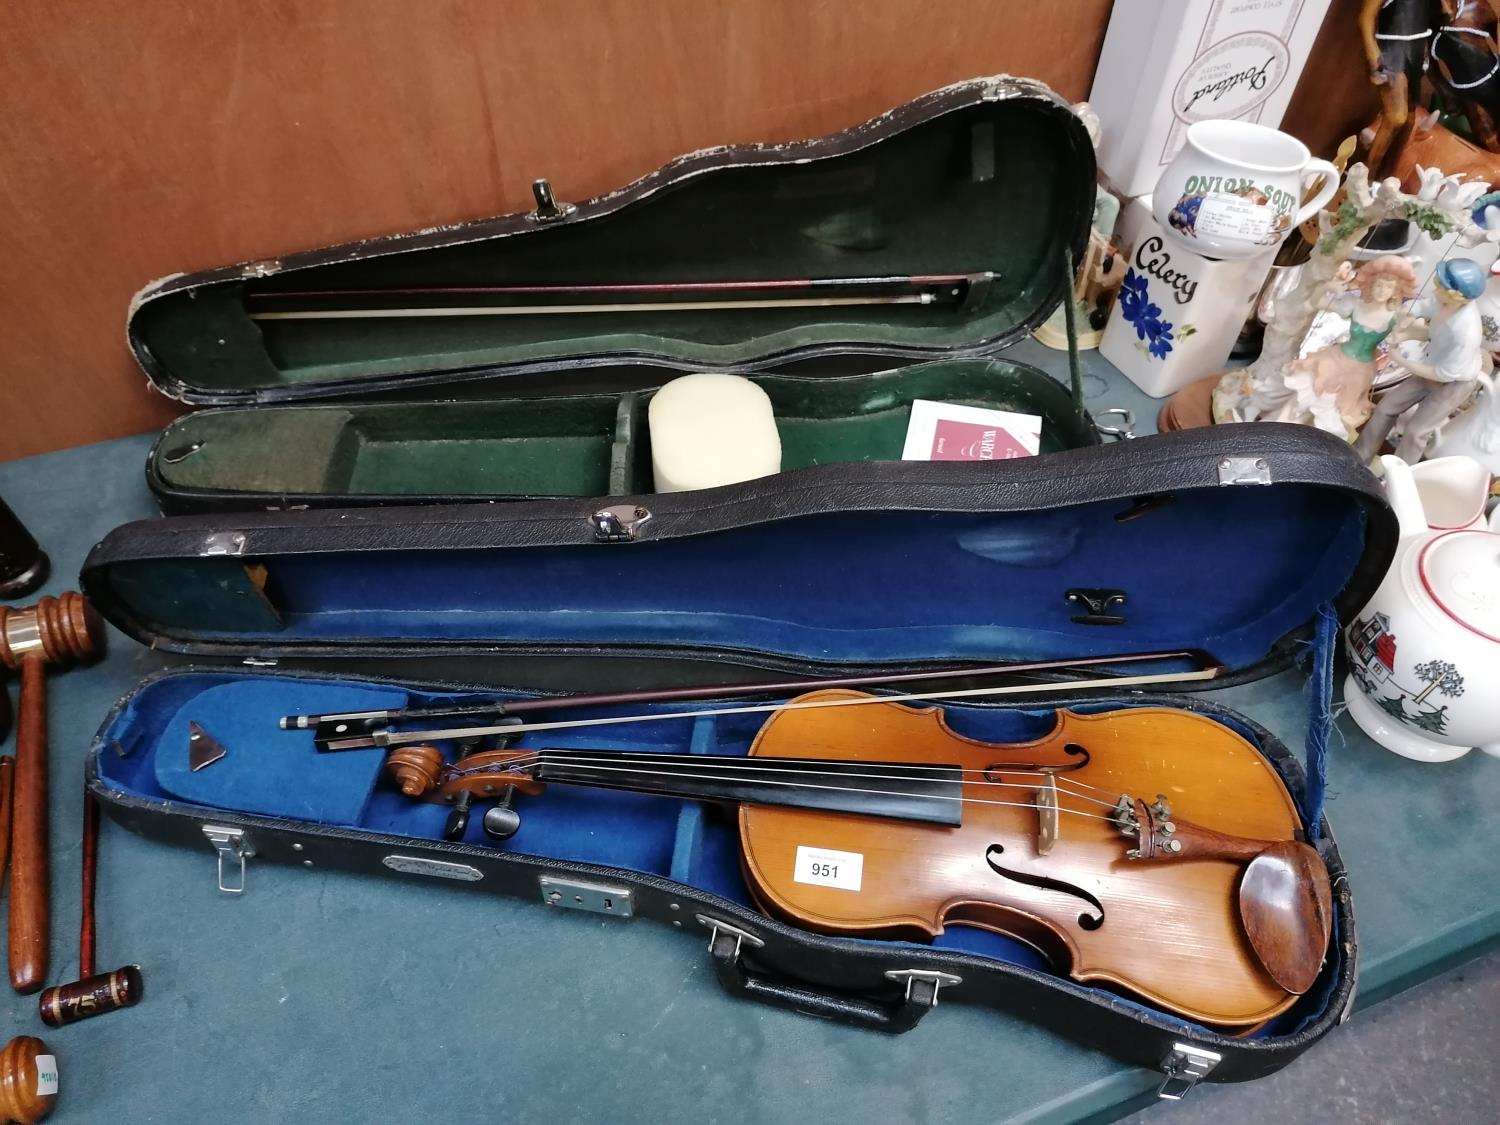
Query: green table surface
[[330, 997]]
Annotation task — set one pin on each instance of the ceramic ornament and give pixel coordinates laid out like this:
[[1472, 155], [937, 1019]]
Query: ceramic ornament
[[1442, 376], [1178, 313], [1475, 433], [1441, 205], [1098, 275], [1329, 388]]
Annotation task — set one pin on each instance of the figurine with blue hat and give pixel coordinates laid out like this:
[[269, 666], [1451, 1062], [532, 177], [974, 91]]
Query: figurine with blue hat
[[1442, 380]]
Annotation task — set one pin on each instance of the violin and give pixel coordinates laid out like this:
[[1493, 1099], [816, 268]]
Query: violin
[[1148, 850]]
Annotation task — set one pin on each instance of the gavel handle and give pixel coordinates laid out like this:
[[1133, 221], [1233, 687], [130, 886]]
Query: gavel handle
[[28, 843]]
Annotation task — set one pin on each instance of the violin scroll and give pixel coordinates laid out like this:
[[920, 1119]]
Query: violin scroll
[[416, 770], [420, 772]]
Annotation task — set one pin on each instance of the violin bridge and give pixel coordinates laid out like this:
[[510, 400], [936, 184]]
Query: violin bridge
[[1047, 818]]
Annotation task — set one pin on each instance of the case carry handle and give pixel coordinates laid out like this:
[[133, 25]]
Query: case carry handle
[[922, 986]]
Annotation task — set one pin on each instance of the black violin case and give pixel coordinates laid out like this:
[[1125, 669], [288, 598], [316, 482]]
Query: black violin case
[[1245, 545], [994, 176], [1230, 541]]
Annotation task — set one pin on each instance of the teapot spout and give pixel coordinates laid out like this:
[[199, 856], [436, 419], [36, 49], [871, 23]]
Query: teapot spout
[[1401, 490]]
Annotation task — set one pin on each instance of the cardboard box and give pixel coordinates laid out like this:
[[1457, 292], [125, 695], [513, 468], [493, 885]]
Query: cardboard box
[[1168, 63]]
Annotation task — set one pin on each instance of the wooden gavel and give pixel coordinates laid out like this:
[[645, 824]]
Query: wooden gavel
[[53, 631], [28, 1080]]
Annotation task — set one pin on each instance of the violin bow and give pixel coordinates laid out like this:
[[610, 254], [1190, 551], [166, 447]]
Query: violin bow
[[963, 290], [357, 730]]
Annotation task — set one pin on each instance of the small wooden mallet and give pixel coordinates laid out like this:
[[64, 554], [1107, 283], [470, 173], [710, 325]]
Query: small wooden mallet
[[53, 631]]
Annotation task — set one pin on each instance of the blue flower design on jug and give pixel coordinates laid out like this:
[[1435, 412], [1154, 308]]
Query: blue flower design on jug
[[1139, 310]]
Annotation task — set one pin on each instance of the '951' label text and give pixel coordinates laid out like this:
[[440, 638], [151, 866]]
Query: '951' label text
[[824, 867]]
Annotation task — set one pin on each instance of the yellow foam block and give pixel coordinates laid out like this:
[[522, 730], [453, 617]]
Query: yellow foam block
[[710, 429]]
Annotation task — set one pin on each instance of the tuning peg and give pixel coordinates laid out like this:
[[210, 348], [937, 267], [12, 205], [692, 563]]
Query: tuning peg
[[502, 822], [458, 819]]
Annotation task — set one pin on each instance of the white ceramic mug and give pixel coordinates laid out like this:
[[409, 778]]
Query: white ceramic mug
[[1234, 189]]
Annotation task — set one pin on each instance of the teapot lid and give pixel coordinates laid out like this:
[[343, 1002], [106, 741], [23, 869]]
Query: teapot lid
[[1460, 570]]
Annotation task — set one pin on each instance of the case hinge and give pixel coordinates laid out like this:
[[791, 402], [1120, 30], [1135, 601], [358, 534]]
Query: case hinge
[[229, 842], [619, 523], [1184, 1066], [1244, 470]]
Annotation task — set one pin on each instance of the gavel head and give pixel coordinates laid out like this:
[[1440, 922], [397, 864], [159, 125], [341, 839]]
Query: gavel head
[[58, 630]]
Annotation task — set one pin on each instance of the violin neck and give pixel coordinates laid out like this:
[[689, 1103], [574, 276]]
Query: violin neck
[[929, 794]]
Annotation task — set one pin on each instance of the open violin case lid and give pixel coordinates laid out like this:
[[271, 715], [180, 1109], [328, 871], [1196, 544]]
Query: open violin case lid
[[990, 182], [1234, 546]]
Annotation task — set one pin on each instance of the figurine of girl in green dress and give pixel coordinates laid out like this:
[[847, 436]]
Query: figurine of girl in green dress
[[1330, 388]]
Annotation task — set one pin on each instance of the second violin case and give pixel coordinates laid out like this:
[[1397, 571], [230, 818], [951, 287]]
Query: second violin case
[[1147, 873], [515, 357]]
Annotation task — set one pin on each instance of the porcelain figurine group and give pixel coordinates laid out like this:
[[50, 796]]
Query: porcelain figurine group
[[1433, 354], [1331, 388]]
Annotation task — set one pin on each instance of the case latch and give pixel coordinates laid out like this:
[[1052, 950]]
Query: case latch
[[229, 842], [1184, 1066], [1125, 431], [548, 209], [1244, 470], [619, 523], [572, 894]]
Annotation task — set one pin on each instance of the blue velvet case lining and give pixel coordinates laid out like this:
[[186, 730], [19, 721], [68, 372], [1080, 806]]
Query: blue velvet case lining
[[1229, 571], [277, 773]]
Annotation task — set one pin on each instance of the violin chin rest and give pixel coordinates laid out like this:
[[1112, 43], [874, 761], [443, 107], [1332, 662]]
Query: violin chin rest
[[1286, 907]]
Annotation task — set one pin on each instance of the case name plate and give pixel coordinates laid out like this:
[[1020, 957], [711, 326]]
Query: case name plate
[[824, 867], [437, 868]]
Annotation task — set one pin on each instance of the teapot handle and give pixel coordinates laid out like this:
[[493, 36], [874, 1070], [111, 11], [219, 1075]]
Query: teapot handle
[[1401, 490]]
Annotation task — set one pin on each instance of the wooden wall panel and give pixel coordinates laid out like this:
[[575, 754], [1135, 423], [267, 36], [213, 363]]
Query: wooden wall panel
[[138, 140]]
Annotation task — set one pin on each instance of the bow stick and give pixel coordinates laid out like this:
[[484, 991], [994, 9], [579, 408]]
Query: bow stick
[[961, 289], [332, 726], [388, 737]]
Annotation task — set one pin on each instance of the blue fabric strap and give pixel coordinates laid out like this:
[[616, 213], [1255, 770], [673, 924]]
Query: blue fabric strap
[[1320, 717]]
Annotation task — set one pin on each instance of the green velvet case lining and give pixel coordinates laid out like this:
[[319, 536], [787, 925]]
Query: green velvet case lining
[[986, 176], [585, 445]]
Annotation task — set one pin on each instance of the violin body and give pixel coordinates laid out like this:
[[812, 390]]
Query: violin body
[[1173, 931], [865, 816]]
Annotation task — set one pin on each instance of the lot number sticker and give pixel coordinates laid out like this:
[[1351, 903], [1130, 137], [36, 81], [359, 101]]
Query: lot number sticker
[[826, 868]]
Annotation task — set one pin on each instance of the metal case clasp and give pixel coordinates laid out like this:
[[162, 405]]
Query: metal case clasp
[[1184, 1066], [229, 842], [619, 523], [594, 897]]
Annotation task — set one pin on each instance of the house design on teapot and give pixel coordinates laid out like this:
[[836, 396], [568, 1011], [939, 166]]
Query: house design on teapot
[[1374, 645]]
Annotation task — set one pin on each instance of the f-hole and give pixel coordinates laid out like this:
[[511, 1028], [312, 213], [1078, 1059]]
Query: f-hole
[[1086, 920], [992, 773]]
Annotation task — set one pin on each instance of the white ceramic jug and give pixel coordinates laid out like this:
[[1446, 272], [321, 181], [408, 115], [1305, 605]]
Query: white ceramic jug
[[1453, 492], [1424, 655], [1235, 188]]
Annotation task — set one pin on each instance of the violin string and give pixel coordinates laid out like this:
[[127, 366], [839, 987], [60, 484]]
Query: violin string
[[841, 789], [773, 765]]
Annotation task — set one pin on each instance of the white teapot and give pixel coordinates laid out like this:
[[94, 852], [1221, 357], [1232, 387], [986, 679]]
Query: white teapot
[[1424, 655]]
